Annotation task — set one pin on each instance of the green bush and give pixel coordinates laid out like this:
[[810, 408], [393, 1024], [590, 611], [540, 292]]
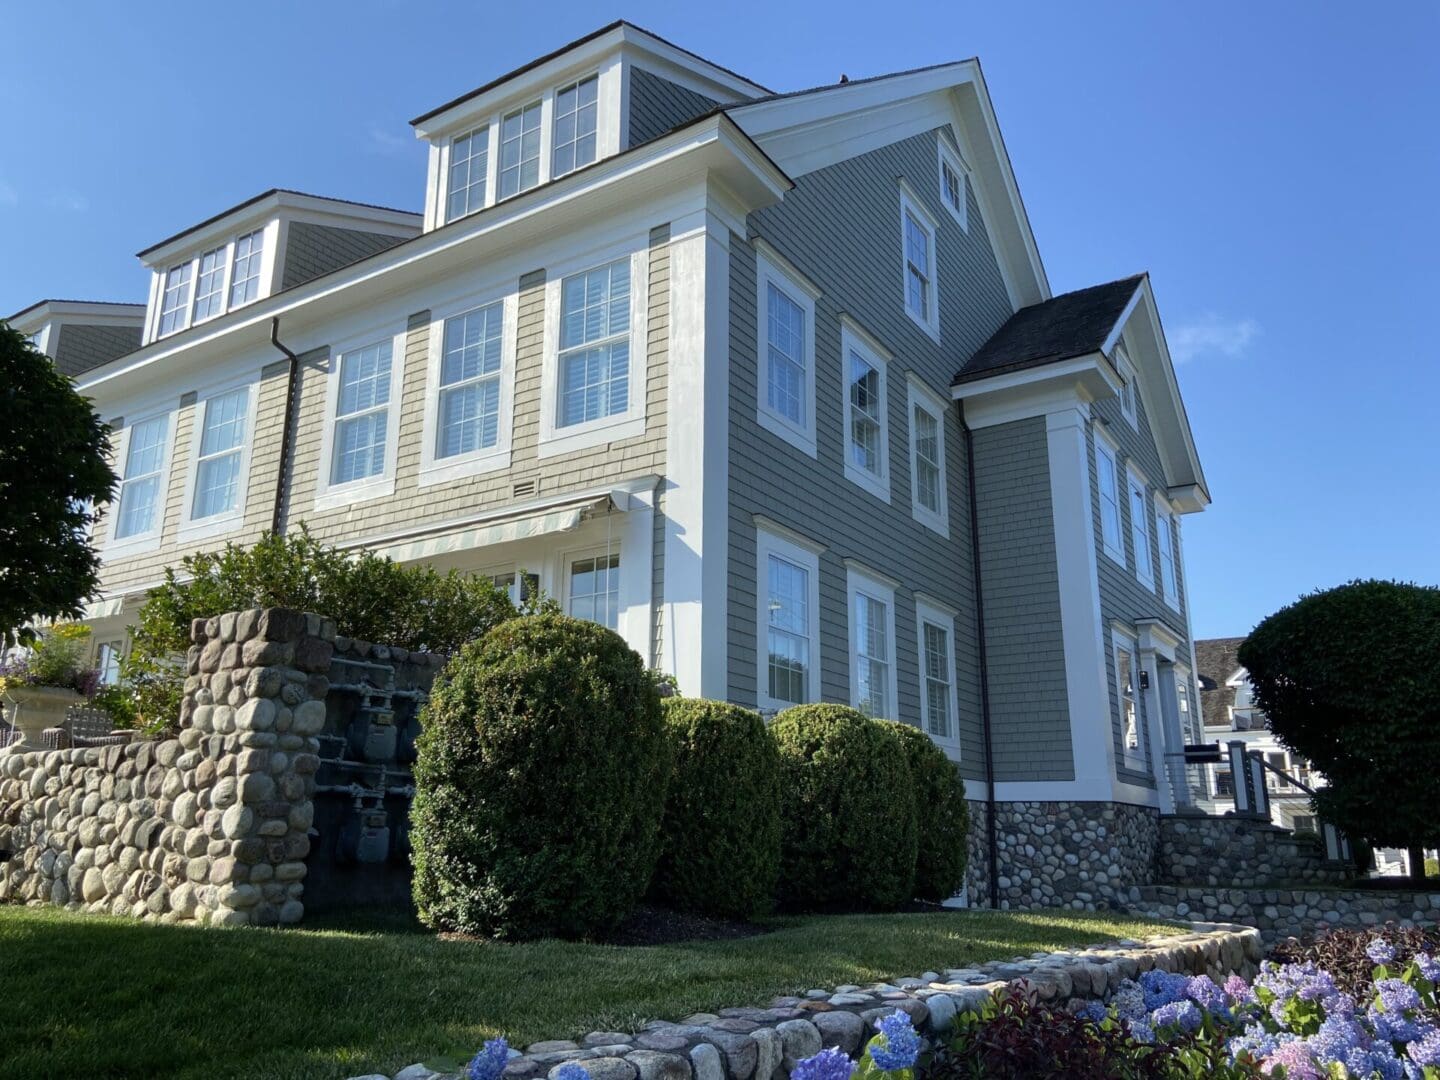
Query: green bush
[[942, 816], [720, 850], [540, 783], [847, 817]]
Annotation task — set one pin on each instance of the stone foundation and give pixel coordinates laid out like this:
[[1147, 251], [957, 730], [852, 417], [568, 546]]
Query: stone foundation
[[1234, 852], [1279, 913]]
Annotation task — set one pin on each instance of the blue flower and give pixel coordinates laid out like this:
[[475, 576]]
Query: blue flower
[[1161, 988], [1429, 967], [1141, 1031], [1094, 1011], [571, 1071], [831, 1064], [1426, 1050], [1181, 1014], [1129, 1002], [898, 1045], [1337, 1038], [1396, 995], [1202, 990], [489, 1063], [1380, 951]]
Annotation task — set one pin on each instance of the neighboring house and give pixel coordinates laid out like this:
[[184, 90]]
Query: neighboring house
[[772, 383]]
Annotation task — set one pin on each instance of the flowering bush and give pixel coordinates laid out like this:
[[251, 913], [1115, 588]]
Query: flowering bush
[[1350, 955], [57, 658]]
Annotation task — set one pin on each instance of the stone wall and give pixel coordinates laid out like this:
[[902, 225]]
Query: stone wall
[[210, 826], [1062, 854], [1238, 853], [1279, 913]]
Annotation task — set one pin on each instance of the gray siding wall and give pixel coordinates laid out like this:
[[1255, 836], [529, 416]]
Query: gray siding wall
[[1029, 704], [312, 250], [841, 227], [1123, 597], [657, 105], [79, 348]]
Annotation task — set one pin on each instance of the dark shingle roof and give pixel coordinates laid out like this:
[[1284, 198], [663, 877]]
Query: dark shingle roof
[[1062, 327], [1217, 660]]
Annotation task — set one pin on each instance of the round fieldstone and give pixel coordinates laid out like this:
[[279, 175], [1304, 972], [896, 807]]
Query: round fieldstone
[[799, 1040], [654, 1065], [838, 1028], [705, 1063], [600, 1068]]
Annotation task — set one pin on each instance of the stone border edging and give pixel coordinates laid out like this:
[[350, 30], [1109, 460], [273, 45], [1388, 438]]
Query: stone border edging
[[766, 1043]]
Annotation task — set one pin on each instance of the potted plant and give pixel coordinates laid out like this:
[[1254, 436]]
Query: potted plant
[[40, 684]]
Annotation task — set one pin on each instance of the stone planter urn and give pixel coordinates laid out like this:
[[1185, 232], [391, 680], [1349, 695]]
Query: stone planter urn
[[32, 709]]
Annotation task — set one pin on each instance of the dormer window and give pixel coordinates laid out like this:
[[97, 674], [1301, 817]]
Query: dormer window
[[245, 273], [576, 113], [176, 299], [210, 286], [520, 150], [469, 163]]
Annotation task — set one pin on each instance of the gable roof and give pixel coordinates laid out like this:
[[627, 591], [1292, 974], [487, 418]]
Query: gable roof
[[1217, 659], [1073, 324]]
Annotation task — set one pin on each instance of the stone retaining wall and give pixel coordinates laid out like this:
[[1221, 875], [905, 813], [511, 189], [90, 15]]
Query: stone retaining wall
[[765, 1044], [1238, 853], [1281, 913], [210, 826]]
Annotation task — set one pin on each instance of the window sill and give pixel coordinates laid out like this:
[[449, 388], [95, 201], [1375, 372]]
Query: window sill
[[447, 470], [931, 520], [932, 329], [568, 440], [875, 485], [1117, 557], [804, 441], [205, 528], [354, 492], [131, 546]]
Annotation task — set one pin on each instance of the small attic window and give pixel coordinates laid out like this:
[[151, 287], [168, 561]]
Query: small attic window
[[952, 184], [1127, 386]]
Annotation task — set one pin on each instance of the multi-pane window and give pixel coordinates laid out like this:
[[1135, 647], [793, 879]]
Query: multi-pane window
[[938, 679], [865, 386], [469, 161], [788, 618], [222, 436], [1165, 540], [1127, 386], [785, 356], [107, 660], [469, 408], [210, 285], [1128, 697], [520, 588], [139, 504], [952, 184], [1140, 530], [595, 589], [927, 459], [362, 413], [245, 269], [1224, 782], [594, 354], [520, 150], [872, 655], [575, 113], [917, 268], [1108, 481], [176, 298]]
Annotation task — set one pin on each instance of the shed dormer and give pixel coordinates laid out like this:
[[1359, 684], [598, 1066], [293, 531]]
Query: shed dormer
[[274, 241], [81, 334], [607, 92]]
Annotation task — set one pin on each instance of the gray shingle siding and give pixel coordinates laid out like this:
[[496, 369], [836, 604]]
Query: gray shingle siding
[[1029, 703], [79, 348], [312, 250], [657, 105], [841, 227]]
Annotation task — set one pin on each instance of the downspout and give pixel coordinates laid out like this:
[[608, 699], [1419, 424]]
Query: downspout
[[287, 432], [992, 845]]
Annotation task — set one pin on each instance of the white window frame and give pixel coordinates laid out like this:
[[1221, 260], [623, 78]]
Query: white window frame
[[225, 251], [772, 268], [519, 572], [607, 429], [773, 539], [1191, 723], [329, 495], [191, 527], [1129, 389], [930, 610], [269, 242], [1124, 641], [854, 339], [1169, 583], [948, 156], [1137, 500], [137, 543], [911, 206], [186, 308], [433, 468], [862, 581], [602, 551], [105, 651], [920, 396], [544, 104], [1113, 546], [555, 116], [486, 129]]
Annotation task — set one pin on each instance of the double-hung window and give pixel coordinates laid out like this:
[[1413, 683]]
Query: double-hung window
[[1127, 696], [176, 298], [221, 452], [245, 268], [469, 164], [575, 115], [927, 458], [865, 414], [210, 285], [520, 150], [1140, 530], [917, 245], [1107, 483], [362, 413], [1165, 541], [785, 305], [468, 418], [138, 510], [594, 353], [788, 633], [595, 589], [872, 644], [952, 184], [937, 672]]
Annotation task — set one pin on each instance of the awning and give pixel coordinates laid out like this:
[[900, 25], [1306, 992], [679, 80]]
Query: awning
[[557, 519], [104, 609]]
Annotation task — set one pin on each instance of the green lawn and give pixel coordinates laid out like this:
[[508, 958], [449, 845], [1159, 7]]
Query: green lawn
[[102, 997]]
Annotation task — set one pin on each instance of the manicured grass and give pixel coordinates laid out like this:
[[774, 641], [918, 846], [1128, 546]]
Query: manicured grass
[[103, 997]]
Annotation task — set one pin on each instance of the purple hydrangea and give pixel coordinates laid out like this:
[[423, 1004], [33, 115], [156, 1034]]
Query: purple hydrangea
[[899, 1045], [489, 1063], [1141, 1031], [1295, 1059], [1256, 1043], [1380, 951], [1238, 990], [831, 1064], [1161, 988], [1425, 1050], [1094, 1011], [1397, 996], [1429, 967], [1180, 1014], [571, 1071], [1129, 1002], [1202, 990], [1337, 1038], [1378, 1060]]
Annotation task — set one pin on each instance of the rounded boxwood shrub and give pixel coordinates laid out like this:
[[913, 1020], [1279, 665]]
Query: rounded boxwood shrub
[[942, 816], [540, 780], [847, 817], [720, 848]]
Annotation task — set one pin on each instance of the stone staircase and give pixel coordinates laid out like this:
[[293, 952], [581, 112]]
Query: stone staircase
[[1238, 852]]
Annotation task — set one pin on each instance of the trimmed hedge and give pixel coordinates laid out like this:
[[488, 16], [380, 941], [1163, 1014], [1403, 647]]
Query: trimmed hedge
[[940, 810], [720, 849], [846, 811], [540, 783]]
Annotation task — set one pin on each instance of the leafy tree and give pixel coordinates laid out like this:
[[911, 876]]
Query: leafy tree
[[1349, 678], [54, 472]]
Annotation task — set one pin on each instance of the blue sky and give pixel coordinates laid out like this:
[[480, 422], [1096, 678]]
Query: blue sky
[[1273, 165]]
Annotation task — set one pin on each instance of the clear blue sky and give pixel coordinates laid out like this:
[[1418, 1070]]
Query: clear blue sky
[[1275, 166]]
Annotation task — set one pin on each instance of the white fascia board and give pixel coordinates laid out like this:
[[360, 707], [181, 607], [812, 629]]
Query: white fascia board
[[93, 312], [712, 152], [1035, 391]]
